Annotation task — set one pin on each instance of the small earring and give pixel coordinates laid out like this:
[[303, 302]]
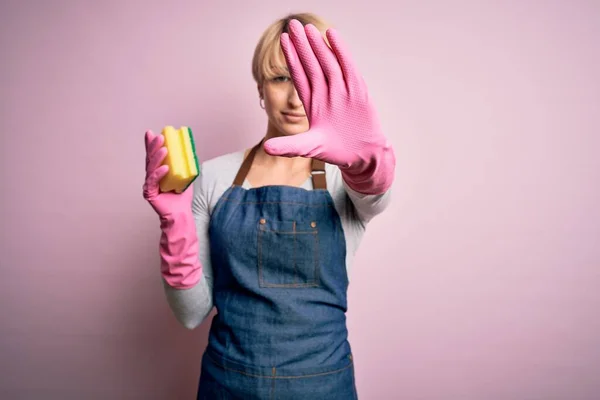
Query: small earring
[[261, 103]]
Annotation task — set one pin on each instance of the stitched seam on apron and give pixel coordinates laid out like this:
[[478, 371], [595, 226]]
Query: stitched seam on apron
[[272, 376], [273, 385], [295, 263], [276, 202]]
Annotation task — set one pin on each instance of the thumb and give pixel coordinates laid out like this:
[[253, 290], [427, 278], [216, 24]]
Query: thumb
[[308, 144]]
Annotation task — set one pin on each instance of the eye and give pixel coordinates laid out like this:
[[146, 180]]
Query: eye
[[281, 78]]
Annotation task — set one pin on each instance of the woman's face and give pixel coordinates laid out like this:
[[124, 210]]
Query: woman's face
[[283, 106]]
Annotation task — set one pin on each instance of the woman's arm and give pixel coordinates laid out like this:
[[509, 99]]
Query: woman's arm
[[368, 206], [192, 305], [359, 207]]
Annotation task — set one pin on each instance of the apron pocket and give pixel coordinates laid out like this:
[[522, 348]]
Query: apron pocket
[[288, 254]]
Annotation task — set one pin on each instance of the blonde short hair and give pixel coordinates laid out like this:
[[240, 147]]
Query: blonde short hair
[[268, 60]]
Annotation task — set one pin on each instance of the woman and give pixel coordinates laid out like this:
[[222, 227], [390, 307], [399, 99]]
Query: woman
[[271, 231]]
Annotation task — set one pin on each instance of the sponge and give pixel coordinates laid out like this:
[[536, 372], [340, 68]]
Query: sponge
[[181, 159]]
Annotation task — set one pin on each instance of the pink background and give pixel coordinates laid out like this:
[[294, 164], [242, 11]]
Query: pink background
[[481, 282]]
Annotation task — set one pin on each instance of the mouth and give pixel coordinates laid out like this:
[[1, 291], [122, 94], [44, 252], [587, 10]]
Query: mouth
[[293, 117], [293, 114]]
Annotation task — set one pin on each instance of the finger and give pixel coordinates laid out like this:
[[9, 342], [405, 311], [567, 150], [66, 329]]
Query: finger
[[160, 173], [354, 82], [148, 138], [155, 145], [308, 144], [156, 160], [325, 56], [297, 72], [316, 77]]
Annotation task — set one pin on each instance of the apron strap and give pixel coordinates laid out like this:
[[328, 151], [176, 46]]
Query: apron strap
[[318, 174], [318, 170], [245, 167]]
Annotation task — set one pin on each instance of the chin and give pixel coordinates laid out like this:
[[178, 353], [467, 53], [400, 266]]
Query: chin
[[292, 133], [293, 129]]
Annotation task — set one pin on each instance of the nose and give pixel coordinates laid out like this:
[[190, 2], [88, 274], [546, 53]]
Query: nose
[[293, 98]]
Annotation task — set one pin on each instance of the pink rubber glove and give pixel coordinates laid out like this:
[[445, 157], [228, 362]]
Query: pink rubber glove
[[344, 128], [178, 246]]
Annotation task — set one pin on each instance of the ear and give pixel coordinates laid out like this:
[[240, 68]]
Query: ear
[[260, 91]]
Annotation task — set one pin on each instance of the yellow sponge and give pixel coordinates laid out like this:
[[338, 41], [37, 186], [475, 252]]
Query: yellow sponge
[[181, 159]]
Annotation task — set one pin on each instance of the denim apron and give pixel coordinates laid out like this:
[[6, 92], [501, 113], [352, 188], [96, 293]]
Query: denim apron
[[280, 283]]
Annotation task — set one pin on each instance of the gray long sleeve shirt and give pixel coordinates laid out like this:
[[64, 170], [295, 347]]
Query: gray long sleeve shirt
[[191, 306]]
